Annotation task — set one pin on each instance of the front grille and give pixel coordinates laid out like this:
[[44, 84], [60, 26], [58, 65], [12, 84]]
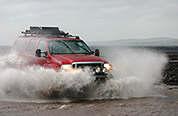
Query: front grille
[[87, 64]]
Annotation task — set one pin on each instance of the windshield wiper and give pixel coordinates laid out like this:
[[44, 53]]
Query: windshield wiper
[[67, 46], [83, 48]]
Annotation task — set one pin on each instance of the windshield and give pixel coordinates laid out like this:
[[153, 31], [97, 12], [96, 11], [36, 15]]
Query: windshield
[[68, 47]]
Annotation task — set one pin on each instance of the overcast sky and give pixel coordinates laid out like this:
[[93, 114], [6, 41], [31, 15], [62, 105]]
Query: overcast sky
[[93, 20]]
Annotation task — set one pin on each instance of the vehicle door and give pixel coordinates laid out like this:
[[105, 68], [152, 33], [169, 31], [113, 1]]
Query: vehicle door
[[30, 51], [43, 47]]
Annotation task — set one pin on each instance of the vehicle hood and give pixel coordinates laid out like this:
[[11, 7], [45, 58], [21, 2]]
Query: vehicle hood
[[68, 59]]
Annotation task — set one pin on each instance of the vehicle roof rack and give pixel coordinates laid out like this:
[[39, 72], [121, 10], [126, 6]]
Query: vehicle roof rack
[[47, 32]]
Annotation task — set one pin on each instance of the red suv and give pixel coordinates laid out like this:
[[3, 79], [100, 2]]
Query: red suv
[[53, 48]]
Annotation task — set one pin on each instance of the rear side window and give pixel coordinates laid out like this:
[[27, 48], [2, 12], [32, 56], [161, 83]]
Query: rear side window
[[31, 45], [20, 44]]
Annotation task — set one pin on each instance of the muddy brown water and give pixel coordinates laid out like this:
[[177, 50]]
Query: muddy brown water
[[163, 104]]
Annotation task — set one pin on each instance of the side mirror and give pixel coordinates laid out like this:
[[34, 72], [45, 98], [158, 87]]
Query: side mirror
[[97, 52], [38, 53], [92, 52]]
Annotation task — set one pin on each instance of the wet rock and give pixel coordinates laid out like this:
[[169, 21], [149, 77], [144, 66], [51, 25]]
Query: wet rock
[[110, 115], [122, 104], [62, 107], [90, 105]]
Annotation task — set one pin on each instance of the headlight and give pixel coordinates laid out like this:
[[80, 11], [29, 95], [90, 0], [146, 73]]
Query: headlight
[[108, 66], [66, 67]]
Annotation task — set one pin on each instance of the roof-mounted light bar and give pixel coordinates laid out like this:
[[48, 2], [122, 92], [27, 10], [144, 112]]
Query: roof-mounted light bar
[[47, 32]]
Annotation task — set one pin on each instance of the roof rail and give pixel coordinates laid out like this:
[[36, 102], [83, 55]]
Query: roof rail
[[47, 32]]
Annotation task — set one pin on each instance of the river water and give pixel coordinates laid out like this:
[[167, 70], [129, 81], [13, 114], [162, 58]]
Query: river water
[[134, 90]]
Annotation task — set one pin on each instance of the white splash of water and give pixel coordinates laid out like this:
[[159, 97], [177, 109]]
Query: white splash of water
[[134, 71]]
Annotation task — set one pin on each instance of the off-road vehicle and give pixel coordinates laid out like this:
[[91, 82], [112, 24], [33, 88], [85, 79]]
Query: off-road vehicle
[[53, 48]]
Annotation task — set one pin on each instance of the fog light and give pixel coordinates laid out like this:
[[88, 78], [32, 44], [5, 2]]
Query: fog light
[[104, 70], [98, 69]]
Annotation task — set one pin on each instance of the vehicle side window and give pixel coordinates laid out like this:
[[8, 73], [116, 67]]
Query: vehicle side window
[[20, 44], [31, 46], [42, 46]]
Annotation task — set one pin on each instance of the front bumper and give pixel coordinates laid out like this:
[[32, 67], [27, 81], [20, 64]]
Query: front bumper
[[93, 67]]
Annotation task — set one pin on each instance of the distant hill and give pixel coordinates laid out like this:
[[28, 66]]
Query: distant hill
[[157, 41]]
